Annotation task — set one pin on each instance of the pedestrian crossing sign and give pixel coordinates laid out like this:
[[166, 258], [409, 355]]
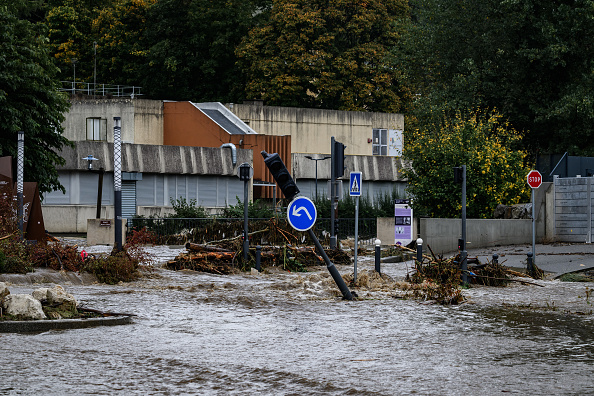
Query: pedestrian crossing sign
[[355, 184]]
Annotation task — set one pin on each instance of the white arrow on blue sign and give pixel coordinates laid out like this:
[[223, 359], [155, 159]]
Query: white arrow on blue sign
[[302, 213], [355, 184]]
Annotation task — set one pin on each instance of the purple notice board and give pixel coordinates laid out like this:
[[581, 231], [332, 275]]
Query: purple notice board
[[403, 220]]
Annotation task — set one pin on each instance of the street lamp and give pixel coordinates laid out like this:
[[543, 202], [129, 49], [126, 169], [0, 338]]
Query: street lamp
[[101, 171], [20, 183], [74, 60], [90, 160], [309, 157]]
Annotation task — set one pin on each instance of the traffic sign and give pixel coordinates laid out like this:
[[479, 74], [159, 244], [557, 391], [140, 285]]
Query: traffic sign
[[534, 179], [355, 184], [302, 213]]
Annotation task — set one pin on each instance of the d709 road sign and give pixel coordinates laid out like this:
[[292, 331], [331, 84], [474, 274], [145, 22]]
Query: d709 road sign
[[534, 179]]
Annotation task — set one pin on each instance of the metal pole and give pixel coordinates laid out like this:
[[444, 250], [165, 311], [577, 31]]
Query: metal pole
[[246, 241], [95, 71], [20, 175], [316, 179], [333, 243], [463, 253], [99, 192], [378, 255], [346, 293], [117, 180], [533, 229], [356, 235], [420, 251], [258, 257]]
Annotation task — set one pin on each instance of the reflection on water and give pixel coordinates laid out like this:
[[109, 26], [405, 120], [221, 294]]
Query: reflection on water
[[288, 334]]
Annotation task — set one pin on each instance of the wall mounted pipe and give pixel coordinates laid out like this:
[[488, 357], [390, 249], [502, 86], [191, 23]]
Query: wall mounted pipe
[[233, 151]]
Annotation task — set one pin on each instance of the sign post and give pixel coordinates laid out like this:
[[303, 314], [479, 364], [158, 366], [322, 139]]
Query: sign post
[[534, 179], [245, 173], [355, 191]]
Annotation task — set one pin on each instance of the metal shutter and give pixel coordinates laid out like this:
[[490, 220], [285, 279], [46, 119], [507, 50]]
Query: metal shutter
[[128, 199]]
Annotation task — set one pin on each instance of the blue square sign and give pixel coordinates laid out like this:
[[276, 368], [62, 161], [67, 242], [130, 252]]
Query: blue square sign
[[355, 184]]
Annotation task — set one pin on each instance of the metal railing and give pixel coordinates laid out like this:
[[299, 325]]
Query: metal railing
[[91, 89], [163, 227]]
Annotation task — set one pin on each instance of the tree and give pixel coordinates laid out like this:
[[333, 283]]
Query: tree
[[532, 60], [29, 98], [191, 46], [326, 54], [480, 140]]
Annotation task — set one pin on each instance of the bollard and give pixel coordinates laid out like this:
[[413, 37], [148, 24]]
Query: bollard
[[529, 263], [378, 244], [420, 251], [495, 258], [258, 257]]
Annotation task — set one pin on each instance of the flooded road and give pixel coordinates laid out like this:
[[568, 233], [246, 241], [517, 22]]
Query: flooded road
[[290, 334]]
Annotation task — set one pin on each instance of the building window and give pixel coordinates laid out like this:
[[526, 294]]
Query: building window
[[380, 142], [96, 129]]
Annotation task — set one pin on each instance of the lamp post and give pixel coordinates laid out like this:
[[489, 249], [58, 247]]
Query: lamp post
[[117, 180], [74, 60], [20, 172], [309, 157], [101, 171], [95, 69]]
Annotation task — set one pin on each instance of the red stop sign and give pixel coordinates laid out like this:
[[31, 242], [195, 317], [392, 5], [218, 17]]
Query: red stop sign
[[534, 179]]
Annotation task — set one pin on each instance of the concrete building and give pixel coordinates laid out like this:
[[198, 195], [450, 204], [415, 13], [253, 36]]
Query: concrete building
[[190, 150]]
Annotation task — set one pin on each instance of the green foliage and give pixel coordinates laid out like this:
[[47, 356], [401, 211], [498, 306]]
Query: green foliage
[[187, 210], [381, 206], [326, 54], [257, 209], [29, 99], [483, 142], [529, 59], [113, 269]]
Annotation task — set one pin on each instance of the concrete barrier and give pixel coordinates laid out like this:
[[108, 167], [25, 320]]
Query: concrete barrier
[[443, 234], [102, 231]]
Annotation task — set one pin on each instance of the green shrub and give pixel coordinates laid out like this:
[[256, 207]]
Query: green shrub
[[256, 210], [187, 210]]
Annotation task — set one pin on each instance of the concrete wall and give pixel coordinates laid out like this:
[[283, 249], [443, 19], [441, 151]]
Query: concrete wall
[[372, 167], [156, 159], [142, 120], [311, 129], [442, 234]]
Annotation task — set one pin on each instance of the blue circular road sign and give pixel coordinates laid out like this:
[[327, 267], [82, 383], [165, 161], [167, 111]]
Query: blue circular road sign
[[302, 213]]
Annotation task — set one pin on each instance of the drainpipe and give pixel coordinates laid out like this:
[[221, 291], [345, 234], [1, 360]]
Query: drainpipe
[[233, 151]]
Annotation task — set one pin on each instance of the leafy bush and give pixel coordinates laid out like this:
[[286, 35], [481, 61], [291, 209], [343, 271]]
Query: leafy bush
[[381, 206], [114, 268], [187, 210], [481, 140], [256, 210]]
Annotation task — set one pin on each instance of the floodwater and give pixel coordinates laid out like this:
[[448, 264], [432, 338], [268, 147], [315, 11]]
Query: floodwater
[[290, 334]]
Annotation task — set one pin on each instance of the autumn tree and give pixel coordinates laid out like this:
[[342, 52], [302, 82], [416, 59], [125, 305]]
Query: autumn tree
[[325, 54], [29, 97], [481, 140]]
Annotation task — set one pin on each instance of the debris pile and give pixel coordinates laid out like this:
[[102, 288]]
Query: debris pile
[[220, 258]]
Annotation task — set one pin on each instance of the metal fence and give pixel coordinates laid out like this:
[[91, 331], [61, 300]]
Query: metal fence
[[185, 226], [91, 89]]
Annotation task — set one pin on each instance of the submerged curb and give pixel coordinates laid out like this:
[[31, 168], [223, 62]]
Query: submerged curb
[[33, 326]]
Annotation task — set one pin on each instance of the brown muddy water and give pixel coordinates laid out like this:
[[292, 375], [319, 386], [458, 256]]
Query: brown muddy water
[[289, 334]]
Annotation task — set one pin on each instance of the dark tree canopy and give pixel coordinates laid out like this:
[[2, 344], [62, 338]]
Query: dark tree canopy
[[325, 54], [531, 60], [29, 97]]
